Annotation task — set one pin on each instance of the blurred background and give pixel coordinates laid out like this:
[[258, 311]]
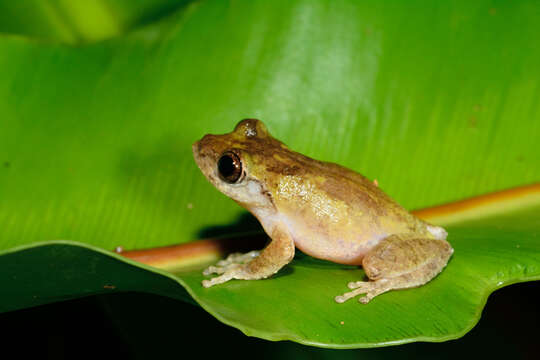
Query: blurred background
[[78, 22]]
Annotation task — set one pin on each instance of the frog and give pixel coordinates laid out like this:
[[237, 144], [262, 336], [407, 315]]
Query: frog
[[325, 210]]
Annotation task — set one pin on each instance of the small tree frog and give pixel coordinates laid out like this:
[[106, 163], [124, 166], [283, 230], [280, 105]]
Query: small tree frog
[[324, 209]]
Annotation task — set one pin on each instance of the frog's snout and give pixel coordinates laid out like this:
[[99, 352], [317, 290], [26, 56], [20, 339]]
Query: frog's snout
[[198, 153], [199, 146], [208, 145], [204, 152], [196, 148]]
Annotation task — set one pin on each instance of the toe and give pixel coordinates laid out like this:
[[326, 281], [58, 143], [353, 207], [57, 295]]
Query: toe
[[209, 270], [357, 284], [213, 270], [217, 280], [364, 299]]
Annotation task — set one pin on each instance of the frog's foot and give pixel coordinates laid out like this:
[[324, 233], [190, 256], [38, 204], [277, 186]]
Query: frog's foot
[[233, 271], [255, 264], [230, 262], [370, 288], [399, 262]]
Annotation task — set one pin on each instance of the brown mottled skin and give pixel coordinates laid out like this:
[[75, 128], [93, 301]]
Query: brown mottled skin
[[322, 208]]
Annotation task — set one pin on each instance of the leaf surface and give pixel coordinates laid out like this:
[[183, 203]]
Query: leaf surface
[[437, 101]]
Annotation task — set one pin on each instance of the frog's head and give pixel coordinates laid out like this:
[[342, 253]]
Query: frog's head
[[232, 162]]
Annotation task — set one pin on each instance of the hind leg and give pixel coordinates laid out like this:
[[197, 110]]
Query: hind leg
[[399, 262]]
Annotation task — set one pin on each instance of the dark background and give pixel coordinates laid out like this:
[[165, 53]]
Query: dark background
[[136, 325]]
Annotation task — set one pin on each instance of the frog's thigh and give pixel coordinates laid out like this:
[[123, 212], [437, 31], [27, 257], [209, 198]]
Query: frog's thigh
[[398, 262], [277, 254]]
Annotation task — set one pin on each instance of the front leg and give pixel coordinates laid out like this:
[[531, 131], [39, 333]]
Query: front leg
[[254, 265]]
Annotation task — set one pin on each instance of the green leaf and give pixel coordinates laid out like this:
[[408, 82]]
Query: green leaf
[[79, 21], [437, 101], [298, 304]]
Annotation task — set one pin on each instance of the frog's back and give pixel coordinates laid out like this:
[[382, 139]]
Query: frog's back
[[337, 214]]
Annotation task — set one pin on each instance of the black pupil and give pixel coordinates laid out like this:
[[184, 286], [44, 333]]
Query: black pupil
[[229, 167]]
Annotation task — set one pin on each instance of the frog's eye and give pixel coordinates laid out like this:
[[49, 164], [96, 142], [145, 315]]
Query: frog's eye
[[230, 167]]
